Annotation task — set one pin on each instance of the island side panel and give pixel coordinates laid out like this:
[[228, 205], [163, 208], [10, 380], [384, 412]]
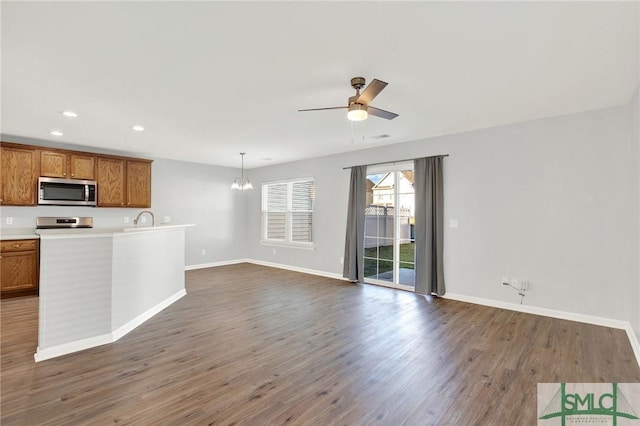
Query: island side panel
[[148, 269], [75, 289]]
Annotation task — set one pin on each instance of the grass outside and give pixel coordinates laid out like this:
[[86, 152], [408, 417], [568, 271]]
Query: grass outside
[[384, 255]]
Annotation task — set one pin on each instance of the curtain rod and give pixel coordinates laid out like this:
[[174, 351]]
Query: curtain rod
[[392, 162]]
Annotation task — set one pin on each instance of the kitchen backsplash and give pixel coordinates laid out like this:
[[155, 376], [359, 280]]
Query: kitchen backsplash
[[25, 217]]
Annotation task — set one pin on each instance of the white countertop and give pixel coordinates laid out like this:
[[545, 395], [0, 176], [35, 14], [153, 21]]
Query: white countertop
[[18, 234], [156, 228], [103, 232]]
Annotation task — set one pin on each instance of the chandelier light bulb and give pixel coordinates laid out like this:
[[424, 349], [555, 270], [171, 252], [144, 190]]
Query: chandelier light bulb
[[242, 183]]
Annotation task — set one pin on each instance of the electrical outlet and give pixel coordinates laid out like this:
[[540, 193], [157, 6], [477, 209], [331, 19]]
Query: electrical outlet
[[274, 251], [143, 219], [9, 221], [342, 260], [167, 219], [125, 219], [524, 285], [513, 282], [453, 223], [204, 252]]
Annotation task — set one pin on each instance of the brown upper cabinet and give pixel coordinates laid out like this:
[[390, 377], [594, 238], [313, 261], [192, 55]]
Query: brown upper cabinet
[[18, 177], [123, 182], [68, 165], [138, 183], [111, 175]]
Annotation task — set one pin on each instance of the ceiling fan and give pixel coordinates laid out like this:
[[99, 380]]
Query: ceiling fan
[[358, 105]]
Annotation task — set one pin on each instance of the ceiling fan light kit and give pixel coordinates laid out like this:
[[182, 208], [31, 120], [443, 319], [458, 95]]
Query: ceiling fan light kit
[[358, 108], [357, 112]]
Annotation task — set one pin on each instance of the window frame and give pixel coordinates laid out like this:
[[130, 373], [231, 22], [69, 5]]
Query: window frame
[[288, 240]]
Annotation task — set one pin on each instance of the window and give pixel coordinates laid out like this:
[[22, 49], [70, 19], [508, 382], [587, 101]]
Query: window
[[287, 212]]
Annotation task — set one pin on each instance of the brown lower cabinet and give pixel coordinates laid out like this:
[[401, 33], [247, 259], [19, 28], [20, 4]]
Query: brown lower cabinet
[[19, 264]]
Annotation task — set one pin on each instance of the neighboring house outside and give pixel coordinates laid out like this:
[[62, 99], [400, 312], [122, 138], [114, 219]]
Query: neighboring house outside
[[381, 210], [382, 192]]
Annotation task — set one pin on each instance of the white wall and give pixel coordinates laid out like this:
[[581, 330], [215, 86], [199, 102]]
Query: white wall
[[186, 192], [553, 201]]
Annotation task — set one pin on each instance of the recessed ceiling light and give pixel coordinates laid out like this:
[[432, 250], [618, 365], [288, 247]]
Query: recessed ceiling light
[[56, 133], [70, 114], [137, 128]]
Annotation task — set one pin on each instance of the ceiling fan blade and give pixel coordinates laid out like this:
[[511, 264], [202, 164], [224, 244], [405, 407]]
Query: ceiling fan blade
[[371, 91], [381, 113], [321, 109]]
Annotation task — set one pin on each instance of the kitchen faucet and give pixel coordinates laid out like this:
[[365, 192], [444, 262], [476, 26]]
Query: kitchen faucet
[[153, 219]]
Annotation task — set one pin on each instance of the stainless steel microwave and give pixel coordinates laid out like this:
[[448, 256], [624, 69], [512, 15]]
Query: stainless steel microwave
[[67, 192]]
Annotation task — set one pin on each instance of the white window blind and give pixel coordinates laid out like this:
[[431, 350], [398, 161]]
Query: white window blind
[[276, 211], [287, 210]]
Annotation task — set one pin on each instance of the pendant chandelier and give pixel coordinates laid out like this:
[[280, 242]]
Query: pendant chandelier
[[244, 182]]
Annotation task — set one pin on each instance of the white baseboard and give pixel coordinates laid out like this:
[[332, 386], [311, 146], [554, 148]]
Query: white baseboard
[[126, 328], [91, 342], [67, 348], [214, 264], [297, 269], [265, 263], [588, 319]]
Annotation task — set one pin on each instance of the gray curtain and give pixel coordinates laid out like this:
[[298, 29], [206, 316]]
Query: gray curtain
[[429, 225], [354, 241]]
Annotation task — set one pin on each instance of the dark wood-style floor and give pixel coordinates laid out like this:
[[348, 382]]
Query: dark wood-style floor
[[259, 346]]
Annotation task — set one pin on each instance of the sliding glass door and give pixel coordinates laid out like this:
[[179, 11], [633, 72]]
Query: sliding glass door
[[389, 245]]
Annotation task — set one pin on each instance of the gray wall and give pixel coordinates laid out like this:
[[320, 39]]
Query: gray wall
[[186, 192], [553, 201], [634, 111], [200, 194]]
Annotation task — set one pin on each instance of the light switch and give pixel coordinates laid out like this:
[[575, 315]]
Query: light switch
[[453, 223]]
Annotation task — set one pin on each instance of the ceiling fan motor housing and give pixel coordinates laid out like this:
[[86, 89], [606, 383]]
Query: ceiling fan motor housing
[[358, 82]]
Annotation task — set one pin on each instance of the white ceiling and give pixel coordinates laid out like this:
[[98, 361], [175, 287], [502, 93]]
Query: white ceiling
[[210, 79]]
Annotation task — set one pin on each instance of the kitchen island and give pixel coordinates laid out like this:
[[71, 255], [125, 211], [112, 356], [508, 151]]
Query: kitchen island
[[96, 285]]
